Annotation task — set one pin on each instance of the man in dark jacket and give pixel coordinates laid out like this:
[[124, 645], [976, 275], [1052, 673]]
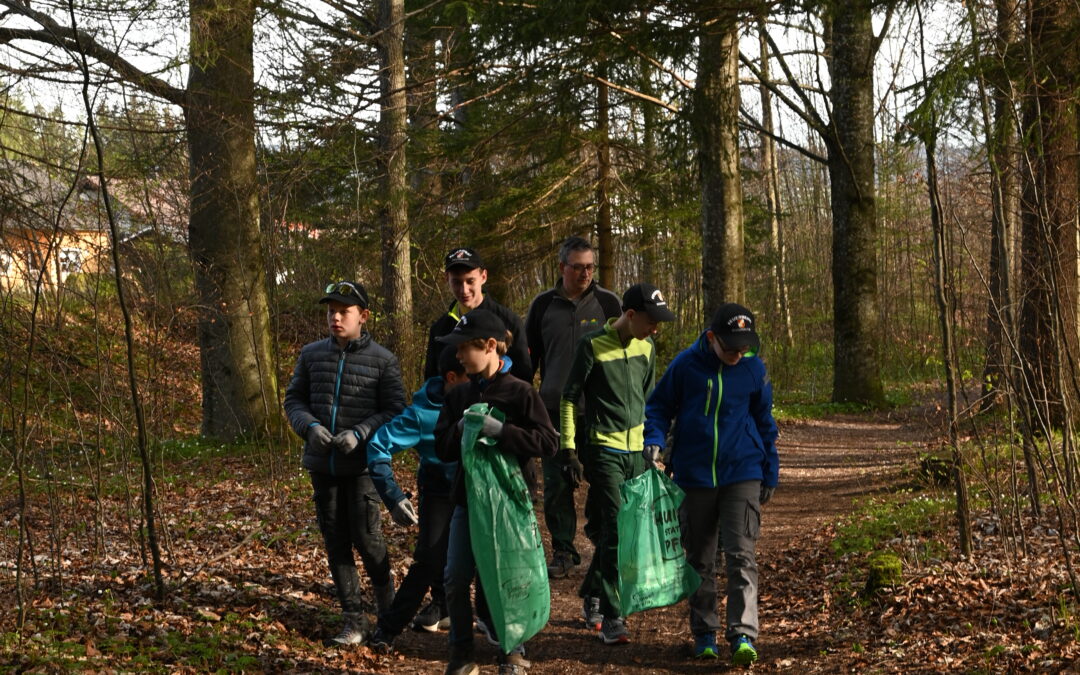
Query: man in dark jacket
[[466, 276], [557, 318], [342, 390]]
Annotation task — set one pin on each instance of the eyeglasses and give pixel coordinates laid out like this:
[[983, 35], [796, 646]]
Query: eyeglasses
[[728, 350], [344, 288], [579, 268]]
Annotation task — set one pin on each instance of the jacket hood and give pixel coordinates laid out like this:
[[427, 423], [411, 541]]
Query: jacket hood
[[431, 394]]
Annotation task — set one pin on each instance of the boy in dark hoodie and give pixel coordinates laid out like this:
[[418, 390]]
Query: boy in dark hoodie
[[415, 428], [724, 457], [482, 339]]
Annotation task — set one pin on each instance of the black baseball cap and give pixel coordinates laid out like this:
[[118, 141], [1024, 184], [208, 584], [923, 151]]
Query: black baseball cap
[[647, 298], [448, 361], [463, 257], [478, 323], [347, 293], [734, 325]]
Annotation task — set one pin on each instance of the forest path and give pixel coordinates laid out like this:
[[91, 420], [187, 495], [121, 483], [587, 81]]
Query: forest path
[[825, 465]]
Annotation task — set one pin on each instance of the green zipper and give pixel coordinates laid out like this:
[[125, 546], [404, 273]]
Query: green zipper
[[716, 419]]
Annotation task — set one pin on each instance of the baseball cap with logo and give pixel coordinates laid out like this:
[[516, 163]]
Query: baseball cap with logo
[[734, 325], [478, 323], [463, 257], [647, 298]]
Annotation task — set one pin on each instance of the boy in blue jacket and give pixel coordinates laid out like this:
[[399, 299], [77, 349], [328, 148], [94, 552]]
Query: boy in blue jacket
[[415, 428], [724, 457]]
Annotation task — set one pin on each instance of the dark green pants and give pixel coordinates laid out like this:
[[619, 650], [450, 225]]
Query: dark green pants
[[606, 471]]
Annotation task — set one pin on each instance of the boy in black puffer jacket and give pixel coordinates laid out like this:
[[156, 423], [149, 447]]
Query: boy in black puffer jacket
[[342, 390]]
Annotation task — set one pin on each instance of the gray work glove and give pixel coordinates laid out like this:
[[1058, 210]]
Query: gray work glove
[[492, 428], [572, 467], [346, 441], [652, 453], [766, 494], [319, 439], [404, 514]]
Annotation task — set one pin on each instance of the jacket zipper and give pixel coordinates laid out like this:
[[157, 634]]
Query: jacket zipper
[[334, 407], [716, 419]]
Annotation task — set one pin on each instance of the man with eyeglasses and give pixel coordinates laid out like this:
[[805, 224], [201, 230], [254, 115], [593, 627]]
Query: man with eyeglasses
[[343, 389], [724, 457], [556, 319], [466, 276]]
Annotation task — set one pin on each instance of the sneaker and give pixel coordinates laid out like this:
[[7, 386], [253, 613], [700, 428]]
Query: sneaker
[[561, 564], [613, 632], [705, 647], [742, 651], [431, 618], [381, 641], [590, 611], [485, 630], [513, 664], [355, 629]]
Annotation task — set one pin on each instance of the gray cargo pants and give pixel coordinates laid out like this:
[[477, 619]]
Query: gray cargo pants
[[732, 514]]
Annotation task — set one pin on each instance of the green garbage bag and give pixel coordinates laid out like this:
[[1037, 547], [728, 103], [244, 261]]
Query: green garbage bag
[[505, 537], [653, 571]]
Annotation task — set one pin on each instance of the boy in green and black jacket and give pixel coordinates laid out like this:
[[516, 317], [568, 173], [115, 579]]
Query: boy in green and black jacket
[[614, 369]]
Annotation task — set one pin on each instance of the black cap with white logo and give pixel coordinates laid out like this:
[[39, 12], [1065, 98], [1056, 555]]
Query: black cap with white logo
[[647, 298]]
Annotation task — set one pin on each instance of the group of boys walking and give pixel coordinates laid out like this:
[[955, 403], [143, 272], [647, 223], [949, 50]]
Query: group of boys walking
[[599, 416]]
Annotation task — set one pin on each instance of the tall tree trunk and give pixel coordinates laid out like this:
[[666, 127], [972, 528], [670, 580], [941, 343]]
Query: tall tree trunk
[[771, 171], [606, 245], [1049, 208], [394, 216], [716, 118], [1003, 155], [850, 142], [239, 383]]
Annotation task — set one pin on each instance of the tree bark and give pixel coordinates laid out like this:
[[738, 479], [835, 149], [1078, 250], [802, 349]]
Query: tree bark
[[1049, 208], [394, 216], [716, 118], [850, 143], [239, 383]]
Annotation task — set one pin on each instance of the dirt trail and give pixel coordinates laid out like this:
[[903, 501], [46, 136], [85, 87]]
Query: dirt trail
[[825, 464]]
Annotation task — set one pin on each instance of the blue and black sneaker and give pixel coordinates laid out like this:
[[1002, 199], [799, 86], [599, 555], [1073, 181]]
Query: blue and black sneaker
[[742, 651], [705, 646]]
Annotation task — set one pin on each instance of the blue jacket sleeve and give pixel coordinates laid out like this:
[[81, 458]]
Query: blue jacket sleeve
[[662, 406], [400, 433], [761, 409]]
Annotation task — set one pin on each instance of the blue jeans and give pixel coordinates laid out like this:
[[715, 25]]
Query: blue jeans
[[460, 571]]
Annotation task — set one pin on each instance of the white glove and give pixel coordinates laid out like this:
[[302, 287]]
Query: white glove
[[492, 428], [652, 453], [319, 439], [404, 514], [346, 441]]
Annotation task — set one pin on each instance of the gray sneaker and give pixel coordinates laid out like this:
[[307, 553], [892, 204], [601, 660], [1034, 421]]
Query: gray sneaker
[[355, 630], [590, 611], [613, 632]]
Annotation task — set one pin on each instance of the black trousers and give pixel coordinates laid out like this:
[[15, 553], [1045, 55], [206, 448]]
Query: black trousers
[[347, 508]]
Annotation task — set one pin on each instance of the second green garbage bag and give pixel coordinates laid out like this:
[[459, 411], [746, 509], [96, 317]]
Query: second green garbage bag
[[504, 535], [653, 571]]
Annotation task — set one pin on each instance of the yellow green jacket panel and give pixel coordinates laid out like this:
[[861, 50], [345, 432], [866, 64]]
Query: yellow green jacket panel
[[615, 380]]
